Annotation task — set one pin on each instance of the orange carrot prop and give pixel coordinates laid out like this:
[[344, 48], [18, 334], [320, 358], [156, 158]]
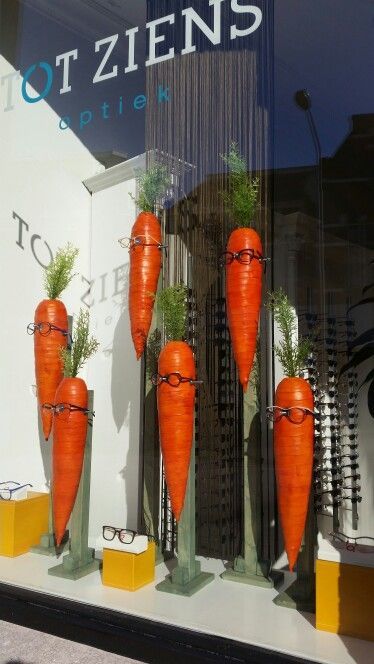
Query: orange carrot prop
[[50, 330], [176, 416], [145, 247], [70, 427], [175, 396], [69, 439], [243, 295], [145, 267], [293, 449], [47, 343], [293, 430], [244, 265]]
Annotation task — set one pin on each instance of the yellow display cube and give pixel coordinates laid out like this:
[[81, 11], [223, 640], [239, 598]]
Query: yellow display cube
[[22, 523], [129, 571], [345, 599]]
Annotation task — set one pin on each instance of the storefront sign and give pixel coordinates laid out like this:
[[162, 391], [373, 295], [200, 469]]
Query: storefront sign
[[159, 33]]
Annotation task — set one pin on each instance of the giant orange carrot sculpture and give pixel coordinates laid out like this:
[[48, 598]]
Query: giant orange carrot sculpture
[[70, 423], [293, 429], [145, 247], [176, 381], [50, 329], [244, 265]]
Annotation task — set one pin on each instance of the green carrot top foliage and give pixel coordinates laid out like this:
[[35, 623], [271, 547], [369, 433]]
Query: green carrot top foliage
[[172, 303], [152, 185], [59, 273], [242, 198], [83, 348], [292, 353]]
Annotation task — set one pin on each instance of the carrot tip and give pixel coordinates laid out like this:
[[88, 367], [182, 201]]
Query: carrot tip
[[59, 538], [46, 440], [292, 560]]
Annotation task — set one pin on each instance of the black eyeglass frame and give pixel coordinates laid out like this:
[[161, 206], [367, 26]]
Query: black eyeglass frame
[[117, 532], [12, 489], [349, 545]]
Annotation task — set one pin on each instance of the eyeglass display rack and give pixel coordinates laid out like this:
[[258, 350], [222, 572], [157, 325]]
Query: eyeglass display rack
[[336, 476], [351, 415]]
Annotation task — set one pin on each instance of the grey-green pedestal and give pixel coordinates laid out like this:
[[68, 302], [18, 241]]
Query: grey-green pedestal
[[248, 568], [187, 578], [47, 546], [80, 560], [301, 593]]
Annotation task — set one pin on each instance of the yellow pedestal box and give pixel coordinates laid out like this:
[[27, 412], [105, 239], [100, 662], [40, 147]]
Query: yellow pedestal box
[[22, 523], [129, 571], [345, 599]]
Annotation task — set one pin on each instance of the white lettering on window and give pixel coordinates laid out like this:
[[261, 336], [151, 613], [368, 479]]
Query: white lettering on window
[[155, 39], [192, 17], [99, 76], [245, 9]]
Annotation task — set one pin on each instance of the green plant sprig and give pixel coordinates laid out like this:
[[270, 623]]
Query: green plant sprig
[[152, 185], [292, 354], [83, 348], [172, 303], [242, 199], [59, 273]]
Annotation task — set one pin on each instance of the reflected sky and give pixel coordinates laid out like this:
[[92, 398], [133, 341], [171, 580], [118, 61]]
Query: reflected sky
[[327, 47]]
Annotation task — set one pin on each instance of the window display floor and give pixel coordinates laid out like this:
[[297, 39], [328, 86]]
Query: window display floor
[[231, 610]]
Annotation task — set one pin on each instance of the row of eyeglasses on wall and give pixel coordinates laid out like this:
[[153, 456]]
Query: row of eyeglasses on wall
[[336, 459]]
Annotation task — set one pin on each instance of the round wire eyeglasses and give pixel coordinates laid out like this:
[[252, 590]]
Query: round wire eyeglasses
[[46, 328], [140, 241], [173, 379], [294, 414], [245, 257], [63, 410]]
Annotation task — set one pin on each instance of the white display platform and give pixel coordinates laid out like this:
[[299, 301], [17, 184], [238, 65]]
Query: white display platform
[[139, 545], [230, 610], [336, 552], [21, 494]]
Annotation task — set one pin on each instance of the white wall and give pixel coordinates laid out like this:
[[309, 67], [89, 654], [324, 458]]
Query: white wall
[[114, 373], [41, 174]]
